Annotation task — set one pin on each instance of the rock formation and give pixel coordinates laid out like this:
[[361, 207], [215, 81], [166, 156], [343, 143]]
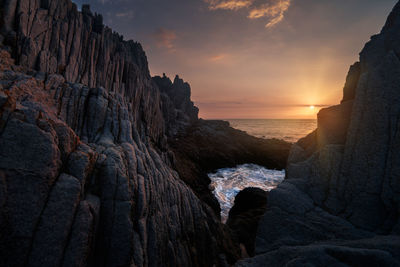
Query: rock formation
[[340, 202], [87, 173], [178, 109], [209, 145], [79, 186], [250, 205], [53, 37]]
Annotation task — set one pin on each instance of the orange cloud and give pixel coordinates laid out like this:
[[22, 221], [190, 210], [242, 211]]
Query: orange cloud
[[228, 4], [165, 38], [217, 57], [274, 10]]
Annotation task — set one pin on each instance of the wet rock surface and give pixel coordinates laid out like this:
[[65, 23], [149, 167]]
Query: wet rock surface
[[339, 204], [210, 145]]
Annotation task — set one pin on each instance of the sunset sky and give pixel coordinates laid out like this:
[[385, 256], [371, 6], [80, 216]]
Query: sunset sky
[[249, 58]]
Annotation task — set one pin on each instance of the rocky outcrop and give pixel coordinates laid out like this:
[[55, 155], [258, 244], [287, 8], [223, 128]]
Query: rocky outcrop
[[339, 204], [178, 109], [53, 37], [86, 175], [210, 145], [80, 187], [94, 153], [250, 205]]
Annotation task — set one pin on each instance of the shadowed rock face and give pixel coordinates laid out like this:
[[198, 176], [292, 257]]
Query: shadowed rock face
[[54, 37], [80, 187], [340, 202], [353, 76], [250, 205], [92, 172], [210, 145], [178, 109], [85, 168]]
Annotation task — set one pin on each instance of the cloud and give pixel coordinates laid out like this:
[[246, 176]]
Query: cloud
[[218, 57], [165, 38], [228, 4], [273, 10]]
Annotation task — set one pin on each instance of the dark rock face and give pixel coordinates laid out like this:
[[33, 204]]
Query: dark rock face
[[250, 205], [54, 37], [85, 169], [178, 109], [210, 145], [333, 123], [83, 188], [353, 76], [366, 252], [339, 204], [87, 173]]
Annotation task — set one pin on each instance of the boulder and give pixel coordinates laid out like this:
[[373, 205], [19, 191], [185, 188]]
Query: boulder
[[250, 205]]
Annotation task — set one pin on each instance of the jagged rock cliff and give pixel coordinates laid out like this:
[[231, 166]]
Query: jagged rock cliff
[[340, 202], [178, 109], [86, 176], [54, 37], [80, 187], [94, 153]]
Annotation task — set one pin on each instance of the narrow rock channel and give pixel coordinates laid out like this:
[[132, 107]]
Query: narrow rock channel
[[228, 182]]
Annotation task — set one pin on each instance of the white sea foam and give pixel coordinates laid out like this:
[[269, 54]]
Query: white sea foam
[[228, 182]]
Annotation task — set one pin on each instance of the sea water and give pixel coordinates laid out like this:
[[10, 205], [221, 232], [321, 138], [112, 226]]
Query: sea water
[[228, 182], [288, 130]]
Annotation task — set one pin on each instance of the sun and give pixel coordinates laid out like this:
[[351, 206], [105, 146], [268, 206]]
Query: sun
[[312, 107]]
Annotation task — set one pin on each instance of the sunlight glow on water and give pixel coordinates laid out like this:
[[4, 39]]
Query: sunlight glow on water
[[288, 130], [228, 182]]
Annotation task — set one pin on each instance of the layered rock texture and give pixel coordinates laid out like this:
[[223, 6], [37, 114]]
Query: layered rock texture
[[340, 202], [80, 187], [92, 169], [86, 176]]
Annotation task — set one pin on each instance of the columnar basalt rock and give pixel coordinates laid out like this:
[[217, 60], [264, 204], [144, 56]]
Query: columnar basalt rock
[[339, 204], [54, 37], [79, 186], [85, 169]]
